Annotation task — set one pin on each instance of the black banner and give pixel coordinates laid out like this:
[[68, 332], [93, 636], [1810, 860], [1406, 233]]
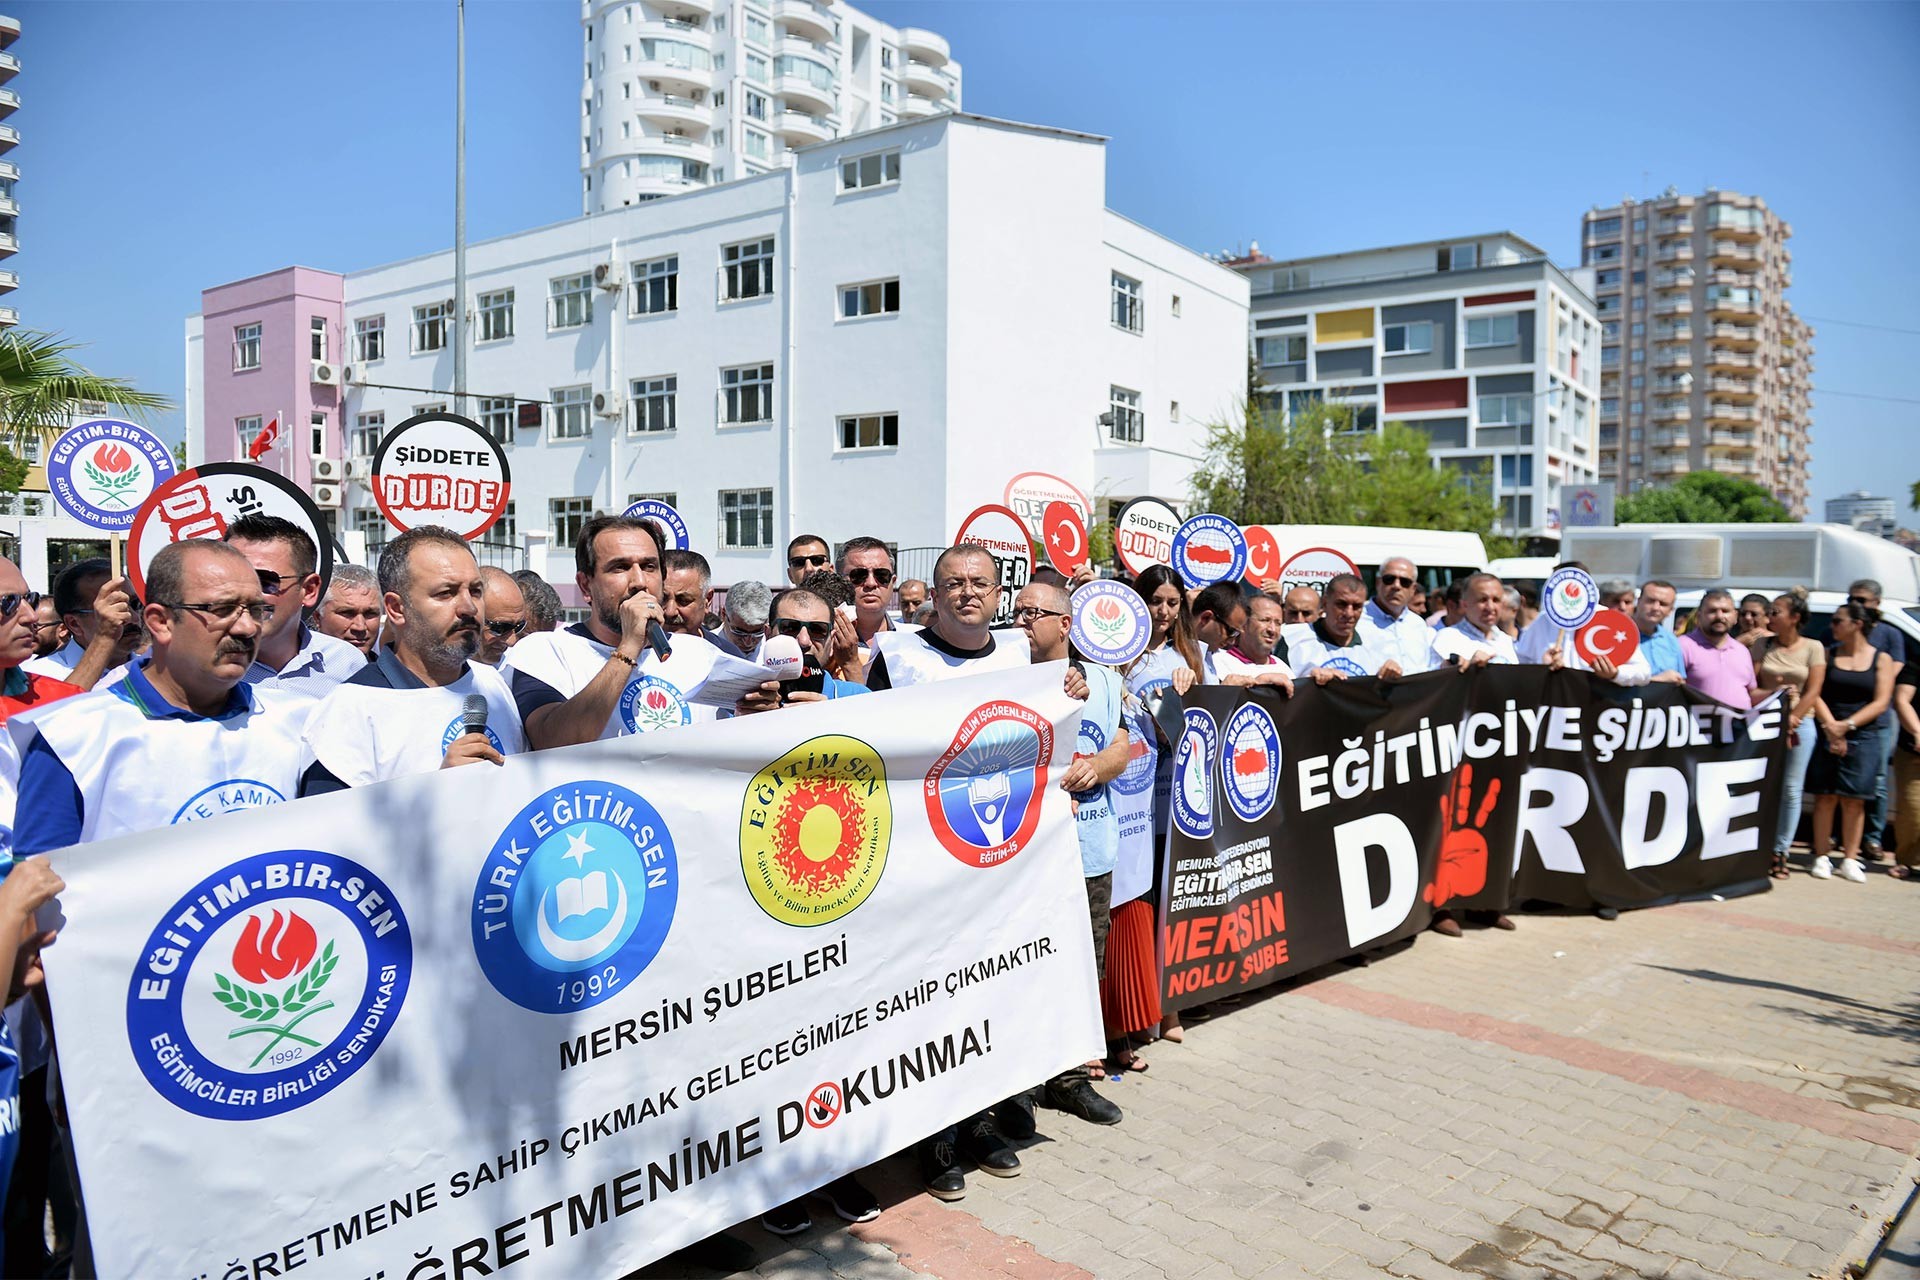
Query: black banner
[[1308, 828]]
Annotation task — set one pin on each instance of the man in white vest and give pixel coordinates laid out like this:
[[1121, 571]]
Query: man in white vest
[[406, 712], [182, 737], [966, 595], [1389, 626], [292, 656], [601, 678]]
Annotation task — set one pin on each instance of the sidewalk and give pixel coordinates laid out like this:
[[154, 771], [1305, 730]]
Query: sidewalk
[[1711, 1090]]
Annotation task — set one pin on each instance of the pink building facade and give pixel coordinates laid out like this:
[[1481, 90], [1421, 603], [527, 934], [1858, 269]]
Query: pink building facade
[[274, 347]]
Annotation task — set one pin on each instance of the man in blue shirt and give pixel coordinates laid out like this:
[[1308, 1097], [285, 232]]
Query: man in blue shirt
[[1890, 642], [1658, 645]]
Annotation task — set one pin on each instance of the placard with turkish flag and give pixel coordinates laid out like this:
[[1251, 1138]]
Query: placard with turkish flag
[[1609, 634], [1066, 538]]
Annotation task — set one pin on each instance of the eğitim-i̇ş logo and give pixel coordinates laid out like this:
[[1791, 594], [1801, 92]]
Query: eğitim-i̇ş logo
[[268, 984], [984, 793]]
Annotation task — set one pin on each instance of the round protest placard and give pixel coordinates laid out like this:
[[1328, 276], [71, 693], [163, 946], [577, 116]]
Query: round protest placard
[[1315, 567], [1263, 555], [100, 471], [202, 501], [1029, 494], [1143, 534], [1064, 534], [1609, 634], [1004, 534], [666, 517], [1110, 623], [441, 468], [1209, 549], [1569, 598]]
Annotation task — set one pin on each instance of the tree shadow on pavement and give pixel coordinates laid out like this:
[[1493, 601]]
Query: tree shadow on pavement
[[1843, 1012]]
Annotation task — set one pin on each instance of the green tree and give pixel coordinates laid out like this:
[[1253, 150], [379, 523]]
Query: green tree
[[1265, 469], [40, 388], [1399, 486], [1703, 498]]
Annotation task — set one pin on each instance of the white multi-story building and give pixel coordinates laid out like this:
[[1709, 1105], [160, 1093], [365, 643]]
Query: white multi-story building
[[872, 341], [9, 172], [1479, 342], [687, 93]]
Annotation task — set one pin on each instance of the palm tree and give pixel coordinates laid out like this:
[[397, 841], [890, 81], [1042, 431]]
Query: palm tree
[[40, 388]]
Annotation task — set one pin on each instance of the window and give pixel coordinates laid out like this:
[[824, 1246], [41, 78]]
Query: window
[[506, 528], [496, 415], [1493, 331], [756, 105], [437, 406], [880, 169], [566, 515], [1459, 257], [756, 65], [754, 28], [1516, 470], [1173, 411], [1608, 279], [870, 431], [1283, 350], [1414, 338], [1176, 306], [496, 315], [878, 298], [371, 522], [1606, 253], [430, 326], [1126, 303], [248, 429], [33, 505], [1611, 330], [886, 58], [1513, 411], [1610, 406], [675, 53], [369, 339], [1639, 277], [746, 270], [317, 338], [1639, 329], [572, 410], [746, 519], [655, 402], [746, 394], [1639, 225], [816, 74], [1604, 227], [317, 434], [367, 430], [570, 301], [246, 347], [1129, 424], [656, 286], [886, 91]]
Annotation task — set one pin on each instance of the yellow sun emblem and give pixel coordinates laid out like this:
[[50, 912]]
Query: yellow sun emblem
[[814, 829]]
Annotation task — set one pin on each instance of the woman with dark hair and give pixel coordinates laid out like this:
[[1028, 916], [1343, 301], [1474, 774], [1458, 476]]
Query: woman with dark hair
[[1785, 659], [1130, 991], [1846, 771], [1755, 612]]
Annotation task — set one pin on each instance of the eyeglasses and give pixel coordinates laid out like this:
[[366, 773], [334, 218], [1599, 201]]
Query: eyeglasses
[[1394, 580], [794, 626], [1033, 614], [806, 562], [274, 584], [858, 577], [1865, 600], [507, 626], [14, 599], [978, 586], [225, 610]]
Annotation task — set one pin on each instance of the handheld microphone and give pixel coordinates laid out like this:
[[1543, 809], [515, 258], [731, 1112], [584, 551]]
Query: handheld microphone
[[473, 714], [657, 640], [781, 658]]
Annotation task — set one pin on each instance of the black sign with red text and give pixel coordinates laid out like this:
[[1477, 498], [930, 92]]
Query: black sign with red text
[[1341, 819]]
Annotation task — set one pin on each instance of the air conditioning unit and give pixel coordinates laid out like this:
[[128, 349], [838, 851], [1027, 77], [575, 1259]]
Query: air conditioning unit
[[326, 375], [351, 374], [359, 468], [326, 470], [607, 276], [606, 404], [326, 497]]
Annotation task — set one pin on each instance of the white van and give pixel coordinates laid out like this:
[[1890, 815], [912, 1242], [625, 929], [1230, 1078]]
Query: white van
[[1439, 555]]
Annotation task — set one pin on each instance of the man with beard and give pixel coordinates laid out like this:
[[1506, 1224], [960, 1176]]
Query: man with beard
[[292, 655], [1717, 664], [102, 631], [1390, 625], [602, 678], [49, 633], [350, 610], [405, 712], [686, 578]]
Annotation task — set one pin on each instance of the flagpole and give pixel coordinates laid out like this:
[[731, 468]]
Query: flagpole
[[460, 209]]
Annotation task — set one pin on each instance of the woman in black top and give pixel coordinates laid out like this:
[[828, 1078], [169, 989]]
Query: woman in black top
[[1905, 791], [1846, 765]]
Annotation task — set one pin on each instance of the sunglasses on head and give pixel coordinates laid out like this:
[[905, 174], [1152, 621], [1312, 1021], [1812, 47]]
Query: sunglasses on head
[[806, 562], [794, 626], [858, 577], [14, 599], [507, 626]]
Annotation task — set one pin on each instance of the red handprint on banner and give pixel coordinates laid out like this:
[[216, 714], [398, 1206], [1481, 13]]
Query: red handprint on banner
[[1463, 846]]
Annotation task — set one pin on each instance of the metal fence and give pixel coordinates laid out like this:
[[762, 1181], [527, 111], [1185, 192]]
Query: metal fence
[[510, 556]]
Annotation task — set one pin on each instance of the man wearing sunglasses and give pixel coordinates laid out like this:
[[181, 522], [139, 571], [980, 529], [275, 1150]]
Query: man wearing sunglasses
[[406, 711], [292, 655], [867, 566], [102, 627], [806, 554], [1389, 624], [503, 614], [49, 633], [20, 689]]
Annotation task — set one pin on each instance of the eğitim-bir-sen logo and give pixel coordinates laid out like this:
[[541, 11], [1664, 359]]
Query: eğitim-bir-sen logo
[[650, 703], [985, 792], [101, 471], [1193, 774]]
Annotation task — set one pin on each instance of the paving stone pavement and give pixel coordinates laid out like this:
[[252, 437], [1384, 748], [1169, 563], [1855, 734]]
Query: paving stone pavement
[[1712, 1090]]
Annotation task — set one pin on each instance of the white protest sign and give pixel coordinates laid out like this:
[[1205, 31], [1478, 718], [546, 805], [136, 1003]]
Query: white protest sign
[[1005, 534], [1029, 494], [202, 501], [1143, 535], [442, 469]]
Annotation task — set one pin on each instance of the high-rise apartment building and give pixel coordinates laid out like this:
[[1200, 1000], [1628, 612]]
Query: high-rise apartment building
[[1478, 342], [687, 93], [1705, 366], [9, 172], [1861, 507]]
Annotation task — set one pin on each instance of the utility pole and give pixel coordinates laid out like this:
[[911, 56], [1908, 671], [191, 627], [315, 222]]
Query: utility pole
[[460, 210]]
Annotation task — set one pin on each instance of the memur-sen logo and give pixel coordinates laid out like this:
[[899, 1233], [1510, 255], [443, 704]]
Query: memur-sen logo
[[651, 703], [576, 898], [1250, 764], [815, 826], [985, 792], [268, 984]]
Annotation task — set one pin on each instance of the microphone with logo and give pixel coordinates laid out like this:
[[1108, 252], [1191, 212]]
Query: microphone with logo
[[782, 660]]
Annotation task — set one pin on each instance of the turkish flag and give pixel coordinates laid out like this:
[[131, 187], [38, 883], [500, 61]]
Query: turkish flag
[[263, 441], [1610, 634], [1066, 537], [1263, 556]]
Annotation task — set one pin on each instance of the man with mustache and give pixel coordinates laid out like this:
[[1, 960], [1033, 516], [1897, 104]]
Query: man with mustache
[[404, 712], [293, 656]]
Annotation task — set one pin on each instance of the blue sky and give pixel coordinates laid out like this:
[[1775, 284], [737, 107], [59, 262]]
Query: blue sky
[[172, 146]]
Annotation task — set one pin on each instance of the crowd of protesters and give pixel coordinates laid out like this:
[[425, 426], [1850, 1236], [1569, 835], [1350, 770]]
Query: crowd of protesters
[[316, 687]]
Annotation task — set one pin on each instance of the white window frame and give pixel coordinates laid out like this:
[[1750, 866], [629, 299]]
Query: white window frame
[[367, 430], [369, 339], [496, 416], [430, 320], [658, 398], [651, 275], [746, 505], [246, 347], [747, 262], [496, 315], [1129, 421], [874, 171], [246, 430], [1288, 339], [566, 515], [316, 434], [572, 413], [317, 337], [1408, 328], [1506, 403], [869, 299], [740, 386], [570, 302], [1492, 323], [849, 429], [1129, 312]]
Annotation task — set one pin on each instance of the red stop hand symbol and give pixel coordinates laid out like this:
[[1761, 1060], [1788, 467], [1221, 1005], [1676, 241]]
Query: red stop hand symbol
[[1463, 848]]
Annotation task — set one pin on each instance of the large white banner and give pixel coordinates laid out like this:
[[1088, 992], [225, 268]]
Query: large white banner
[[571, 1014]]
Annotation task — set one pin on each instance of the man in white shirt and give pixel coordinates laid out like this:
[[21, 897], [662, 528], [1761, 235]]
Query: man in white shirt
[[867, 566], [1542, 634], [405, 713], [1253, 654], [602, 678], [292, 656], [1388, 624], [1333, 648], [1477, 639], [102, 627], [966, 585]]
